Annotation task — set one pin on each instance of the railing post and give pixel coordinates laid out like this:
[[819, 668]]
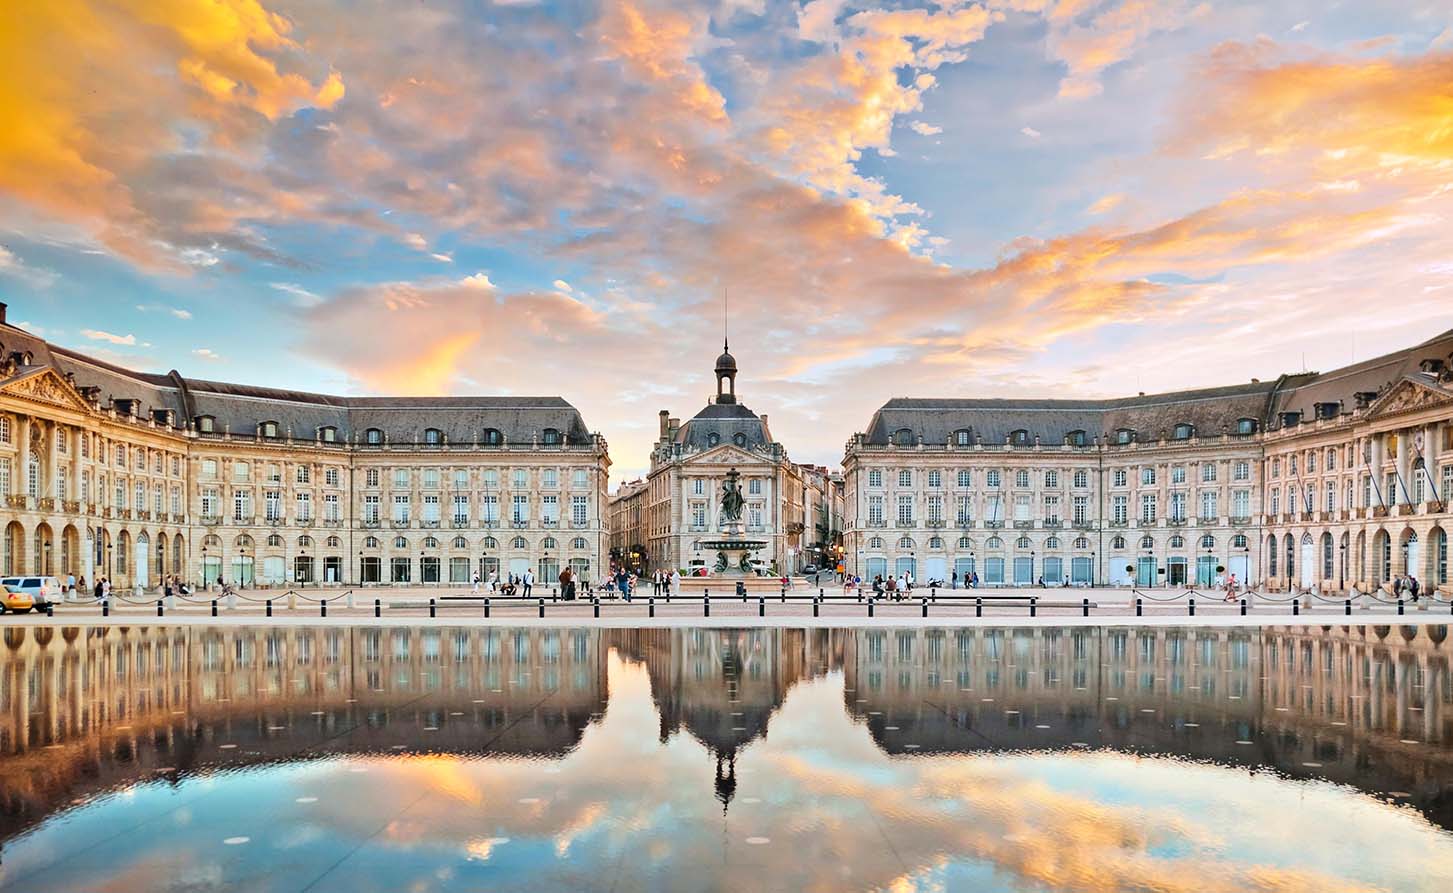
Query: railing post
[[214, 607], [1347, 606], [1033, 605], [815, 603], [1400, 606], [870, 607], [269, 607], [1139, 607], [925, 606], [105, 607], [1296, 607], [378, 608], [292, 600], [159, 606], [1085, 607], [706, 606], [1243, 607], [323, 608], [542, 608], [49, 609], [432, 608], [486, 607], [650, 606], [761, 606], [349, 603], [979, 607], [1192, 605]]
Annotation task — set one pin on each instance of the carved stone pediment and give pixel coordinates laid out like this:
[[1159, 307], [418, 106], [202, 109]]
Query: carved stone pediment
[[1410, 396], [45, 386], [724, 455]]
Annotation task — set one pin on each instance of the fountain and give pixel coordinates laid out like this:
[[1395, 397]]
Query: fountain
[[733, 552]]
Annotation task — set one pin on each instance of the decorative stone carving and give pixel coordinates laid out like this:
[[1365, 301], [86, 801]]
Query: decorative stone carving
[[1409, 397], [47, 387]]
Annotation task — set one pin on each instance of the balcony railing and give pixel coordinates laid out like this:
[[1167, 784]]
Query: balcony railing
[[966, 524], [579, 525], [211, 520], [1240, 520], [71, 508], [430, 525], [1054, 524], [370, 524], [1023, 525], [332, 522], [907, 525], [460, 523], [876, 523], [519, 525], [550, 522], [46, 504], [303, 522], [994, 525], [399, 523], [936, 524]]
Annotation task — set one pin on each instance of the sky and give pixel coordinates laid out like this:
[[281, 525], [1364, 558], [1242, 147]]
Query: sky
[[917, 198]]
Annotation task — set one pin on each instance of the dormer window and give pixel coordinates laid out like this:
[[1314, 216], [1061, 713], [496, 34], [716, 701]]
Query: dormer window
[[433, 436], [373, 437], [713, 439], [493, 437], [1124, 436], [328, 434], [550, 437], [739, 439], [963, 437], [1077, 438], [1019, 437], [206, 424], [1245, 426], [1183, 431], [267, 429], [903, 437]]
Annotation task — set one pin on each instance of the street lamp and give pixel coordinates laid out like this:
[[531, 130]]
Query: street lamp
[[206, 586]]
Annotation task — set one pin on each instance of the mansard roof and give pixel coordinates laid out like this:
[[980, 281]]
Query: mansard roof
[[240, 408]]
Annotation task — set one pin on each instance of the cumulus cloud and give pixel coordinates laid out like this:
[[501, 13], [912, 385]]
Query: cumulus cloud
[[920, 127], [205, 353], [11, 265], [98, 335], [1030, 132]]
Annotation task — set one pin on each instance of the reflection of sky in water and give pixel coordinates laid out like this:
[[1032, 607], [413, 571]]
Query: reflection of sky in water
[[818, 806]]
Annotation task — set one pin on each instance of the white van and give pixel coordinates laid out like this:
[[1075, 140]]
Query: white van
[[44, 590]]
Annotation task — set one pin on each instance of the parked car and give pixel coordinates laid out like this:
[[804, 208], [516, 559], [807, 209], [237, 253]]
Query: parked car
[[43, 591], [18, 602], [697, 568], [809, 570]]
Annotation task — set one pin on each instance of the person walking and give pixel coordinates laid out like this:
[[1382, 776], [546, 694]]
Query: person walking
[[1414, 587], [474, 583], [529, 582], [675, 581], [1231, 588]]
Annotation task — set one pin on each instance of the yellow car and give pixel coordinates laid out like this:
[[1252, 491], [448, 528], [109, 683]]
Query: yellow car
[[19, 602]]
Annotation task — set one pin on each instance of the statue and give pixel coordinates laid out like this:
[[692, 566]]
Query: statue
[[731, 498]]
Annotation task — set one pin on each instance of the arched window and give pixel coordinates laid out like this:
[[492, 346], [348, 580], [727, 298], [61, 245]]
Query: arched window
[[713, 439], [430, 542], [1052, 543], [433, 436], [1022, 543], [993, 542], [460, 543], [549, 542], [1124, 436], [305, 542], [489, 543], [903, 437], [492, 437], [1183, 431], [243, 541], [1177, 542], [965, 543], [370, 542], [212, 540], [1238, 541], [373, 437], [935, 542], [1117, 543], [905, 542], [1019, 437], [274, 541], [1271, 546], [1245, 426], [1082, 543], [875, 543], [1208, 542], [579, 543], [1147, 542], [550, 437], [519, 543], [334, 542], [739, 439], [267, 429], [400, 543]]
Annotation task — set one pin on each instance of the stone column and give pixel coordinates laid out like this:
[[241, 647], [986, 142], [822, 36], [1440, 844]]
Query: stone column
[[22, 457], [1406, 447], [1377, 472]]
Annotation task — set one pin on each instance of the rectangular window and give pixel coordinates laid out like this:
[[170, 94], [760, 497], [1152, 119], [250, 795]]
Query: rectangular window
[[521, 479], [1241, 503], [935, 509], [580, 479], [579, 510], [431, 479], [754, 487], [1120, 478], [431, 508], [1051, 480], [209, 469], [62, 489], [370, 509], [489, 509], [520, 509], [1147, 508], [330, 507], [330, 477], [461, 509], [120, 494], [698, 515], [1241, 471], [965, 511], [401, 508], [1178, 505], [1448, 484], [1051, 509], [754, 516], [401, 478], [304, 507], [209, 502], [1331, 458], [994, 480], [905, 510], [550, 478], [272, 505], [1082, 479], [1311, 463], [176, 466], [1276, 500], [274, 474], [1210, 509], [1178, 474], [1331, 501], [875, 478], [965, 478], [461, 479], [995, 509], [875, 510], [1276, 467], [1147, 477], [242, 505], [241, 471], [550, 508], [935, 479], [905, 478], [698, 487], [139, 497], [1120, 509], [1081, 509], [1021, 478], [1021, 507], [371, 478], [1208, 472], [157, 498]]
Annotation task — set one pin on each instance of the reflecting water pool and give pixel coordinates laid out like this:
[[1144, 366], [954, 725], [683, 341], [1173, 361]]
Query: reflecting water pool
[[433, 758]]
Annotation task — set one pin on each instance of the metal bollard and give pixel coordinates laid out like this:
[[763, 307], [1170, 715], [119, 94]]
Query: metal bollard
[[978, 607], [1347, 606], [269, 607], [214, 607], [105, 607], [1139, 607], [1033, 606], [1243, 607], [870, 607], [925, 606], [650, 607], [761, 607], [378, 608], [1085, 607], [159, 605], [784, 595], [595, 606], [859, 590], [1296, 607], [323, 608], [1400, 606], [1192, 606], [815, 603], [486, 607], [933, 593], [49, 610], [821, 592], [542, 608], [706, 606], [432, 608]]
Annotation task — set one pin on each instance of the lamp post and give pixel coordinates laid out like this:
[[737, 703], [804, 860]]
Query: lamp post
[[206, 586], [1031, 567], [1342, 566], [360, 567], [1094, 572]]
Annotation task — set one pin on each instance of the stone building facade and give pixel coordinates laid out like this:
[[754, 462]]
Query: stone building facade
[[135, 476], [666, 517], [1168, 489]]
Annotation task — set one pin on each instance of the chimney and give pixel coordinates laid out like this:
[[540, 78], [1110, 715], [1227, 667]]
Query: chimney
[[665, 423], [764, 420], [3, 307]]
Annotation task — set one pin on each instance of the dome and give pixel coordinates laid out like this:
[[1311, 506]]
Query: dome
[[726, 362]]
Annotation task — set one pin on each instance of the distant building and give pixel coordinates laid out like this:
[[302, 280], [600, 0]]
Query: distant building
[[1310, 481], [678, 505], [135, 475]]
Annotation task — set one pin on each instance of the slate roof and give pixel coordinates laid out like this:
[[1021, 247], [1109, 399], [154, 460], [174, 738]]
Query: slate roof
[[241, 408], [1212, 411], [725, 421]]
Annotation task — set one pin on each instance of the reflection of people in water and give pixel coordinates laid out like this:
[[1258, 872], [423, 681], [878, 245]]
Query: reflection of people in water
[[726, 785]]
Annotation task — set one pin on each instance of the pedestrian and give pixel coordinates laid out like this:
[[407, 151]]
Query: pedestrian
[[474, 581], [80, 586], [1231, 588], [105, 589], [953, 579], [1041, 582], [675, 581], [976, 579], [1397, 586], [567, 587], [1414, 587], [786, 582], [529, 580]]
